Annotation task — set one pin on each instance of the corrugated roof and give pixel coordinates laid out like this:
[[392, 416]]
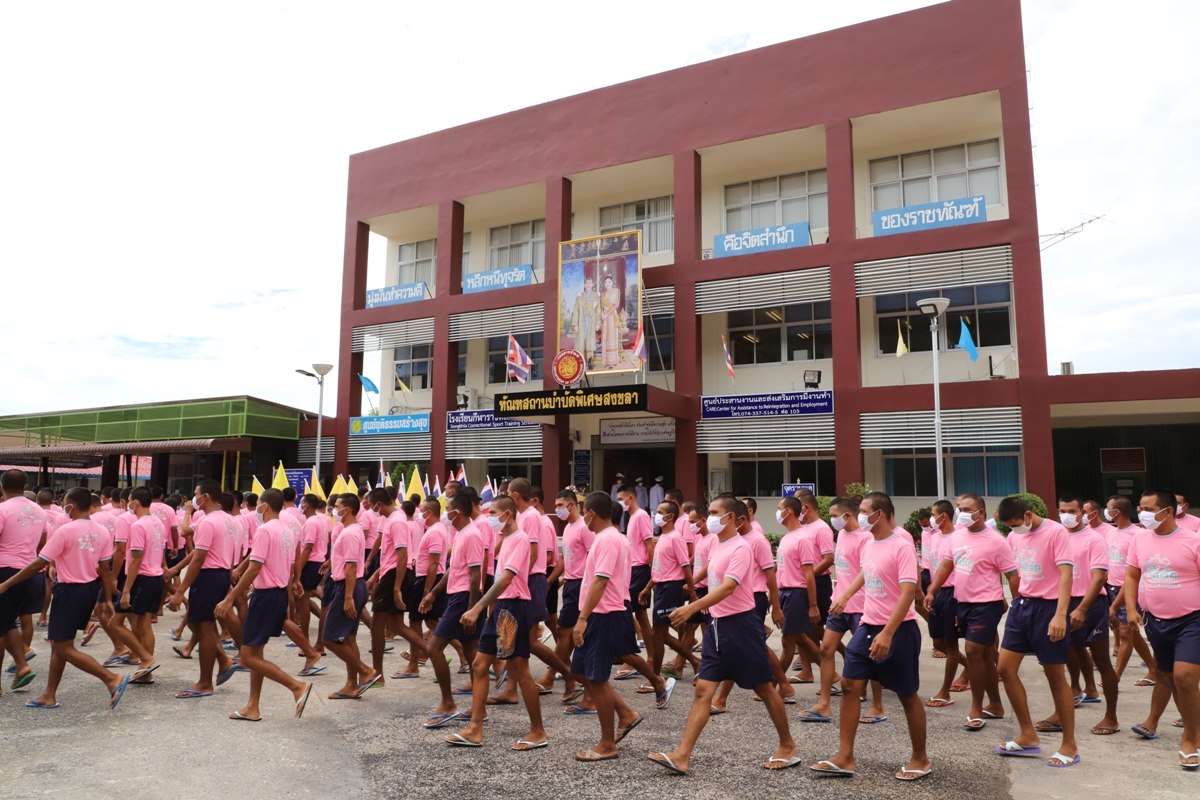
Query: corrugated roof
[[241, 444]]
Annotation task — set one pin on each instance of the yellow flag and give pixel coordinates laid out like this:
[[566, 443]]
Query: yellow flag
[[255, 486], [402, 385], [414, 486], [387, 479], [280, 480], [901, 347], [307, 488], [351, 487], [339, 487], [315, 484]]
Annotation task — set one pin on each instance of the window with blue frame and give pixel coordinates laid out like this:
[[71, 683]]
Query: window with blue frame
[[988, 471]]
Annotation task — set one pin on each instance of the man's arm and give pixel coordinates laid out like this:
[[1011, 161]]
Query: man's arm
[[225, 607], [822, 566], [1058, 626], [681, 615], [883, 640], [941, 576], [1133, 577], [773, 595], [28, 571], [131, 575], [839, 605], [595, 592]]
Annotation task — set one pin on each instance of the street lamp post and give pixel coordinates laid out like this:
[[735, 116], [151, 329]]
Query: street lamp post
[[934, 308], [320, 370]]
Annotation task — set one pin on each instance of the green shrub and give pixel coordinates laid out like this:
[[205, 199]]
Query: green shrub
[[1036, 503], [913, 525]]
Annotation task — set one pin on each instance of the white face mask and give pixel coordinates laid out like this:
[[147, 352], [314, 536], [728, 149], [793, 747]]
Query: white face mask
[[1179, 511], [966, 519], [562, 513], [1022, 528], [259, 515], [838, 523], [1068, 520], [1108, 517], [1149, 520], [196, 503], [695, 527], [778, 517], [864, 521], [625, 505], [495, 522], [658, 520], [714, 524]]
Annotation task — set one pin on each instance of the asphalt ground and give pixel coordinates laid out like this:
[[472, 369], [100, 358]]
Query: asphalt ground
[[154, 746]]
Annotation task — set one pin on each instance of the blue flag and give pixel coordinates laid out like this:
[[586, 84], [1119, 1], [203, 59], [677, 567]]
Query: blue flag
[[965, 342], [368, 384]]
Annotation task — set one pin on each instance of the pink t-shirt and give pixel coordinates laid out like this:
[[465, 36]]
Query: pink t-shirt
[[316, 534], [416, 530], [530, 523], [794, 551], [106, 520], [76, 549], [514, 558], [640, 530], [979, 560], [941, 548], [21, 524], [886, 565], [218, 534], [349, 548], [764, 559], [847, 562], [149, 536], [1170, 563], [1119, 540], [165, 515], [925, 552], [249, 518], [241, 544], [1039, 553], [577, 540], [608, 557], [549, 541], [467, 552], [1188, 522], [731, 558], [488, 537], [1089, 551], [670, 557], [274, 548], [369, 521], [702, 552], [55, 517], [822, 536], [124, 522], [684, 529], [395, 533], [435, 541]]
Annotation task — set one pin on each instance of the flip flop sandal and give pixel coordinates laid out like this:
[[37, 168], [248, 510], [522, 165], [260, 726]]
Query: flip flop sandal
[[458, 740], [302, 703], [974, 724], [939, 702], [956, 687], [114, 697], [23, 681], [308, 672], [179, 652], [623, 732], [662, 700], [579, 711], [808, 715], [191, 694], [524, 745], [1046, 726], [787, 763], [240, 716], [344, 696], [1183, 755], [714, 711], [1015, 750], [1177, 723], [992, 714], [1144, 682], [439, 720], [645, 688], [1104, 730], [1059, 761], [831, 769], [1144, 733], [906, 774], [625, 674], [572, 697], [592, 755], [664, 761], [464, 669], [44, 706], [871, 719], [403, 676]]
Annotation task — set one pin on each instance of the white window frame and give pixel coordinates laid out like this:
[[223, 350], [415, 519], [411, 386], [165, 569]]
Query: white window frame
[[420, 264], [506, 251], [768, 196], [781, 323], [910, 319], [410, 361], [647, 216], [786, 460], [908, 172]]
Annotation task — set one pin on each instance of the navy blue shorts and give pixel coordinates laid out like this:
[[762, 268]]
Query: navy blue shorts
[[180, 554], [668, 596], [795, 611], [943, 623], [506, 632], [926, 580], [1173, 639], [735, 649], [35, 597], [762, 605], [900, 671], [824, 595], [979, 622], [265, 617], [146, 597], [14, 600], [551, 599], [1026, 630], [1095, 623], [1122, 616], [373, 564], [339, 627], [841, 623], [414, 593], [607, 637], [449, 627], [71, 609], [700, 617], [538, 589], [639, 577], [209, 588], [310, 576], [383, 600], [568, 614]]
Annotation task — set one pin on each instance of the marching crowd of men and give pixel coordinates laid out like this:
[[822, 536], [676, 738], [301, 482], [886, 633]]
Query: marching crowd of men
[[591, 583]]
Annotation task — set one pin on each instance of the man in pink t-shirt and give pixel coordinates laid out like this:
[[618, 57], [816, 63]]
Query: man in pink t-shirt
[[1183, 516], [735, 647], [310, 555], [939, 601], [1037, 623], [142, 592], [1120, 512], [271, 572], [603, 632], [796, 557], [393, 587], [347, 593], [887, 645], [577, 540], [979, 558], [430, 563], [22, 532], [81, 553], [1163, 578], [814, 528], [670, 582]]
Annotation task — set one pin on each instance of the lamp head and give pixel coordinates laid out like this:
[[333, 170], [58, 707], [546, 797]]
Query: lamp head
[[306, 373], [933, 306], [322, 369]]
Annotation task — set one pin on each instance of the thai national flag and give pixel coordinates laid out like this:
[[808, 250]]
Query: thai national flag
[[728, 360], [486, 495], [639, 347], [462, 475], [519, 362]]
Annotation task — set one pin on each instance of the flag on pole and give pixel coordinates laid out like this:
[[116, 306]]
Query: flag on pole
[[436, 491], [450, 475], [425, 487], [965, 342], [307, 488], [402, 386], [639, 347], [461, 477], [368, 384], [382, 474], [387, 480], [255, 486], [414, 486], [350, 486], [518, 361], [315, 484], [728, 360], [339, 487], [279, 481], [487, 495], [901, 347]]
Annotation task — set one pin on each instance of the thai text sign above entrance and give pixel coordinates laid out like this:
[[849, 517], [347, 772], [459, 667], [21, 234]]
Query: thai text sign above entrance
[[637, 430], [399, 423], [760, 240], [481, 419], [783, 404], [632, 397], [925, 217]]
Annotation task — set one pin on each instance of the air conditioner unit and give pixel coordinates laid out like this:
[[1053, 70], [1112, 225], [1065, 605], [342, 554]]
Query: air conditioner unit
[[1067, 368]]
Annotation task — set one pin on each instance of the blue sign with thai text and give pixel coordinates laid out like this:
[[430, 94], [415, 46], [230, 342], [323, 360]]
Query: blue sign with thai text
[[942, 214], [395, 295], [497, 279], [760, 240], [398, 423], [296, 478], [782, 404], [790, 489], [482, 419]]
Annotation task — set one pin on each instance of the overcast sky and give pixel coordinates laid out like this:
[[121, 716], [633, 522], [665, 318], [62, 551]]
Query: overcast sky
[[172, 176]]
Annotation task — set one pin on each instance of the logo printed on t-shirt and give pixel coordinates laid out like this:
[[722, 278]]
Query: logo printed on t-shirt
[[1116, 556], [1027, 563], [872, 583], [963, 561], [1159, 574]]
